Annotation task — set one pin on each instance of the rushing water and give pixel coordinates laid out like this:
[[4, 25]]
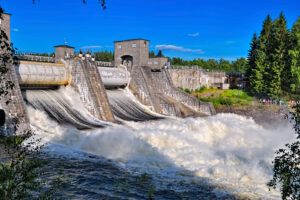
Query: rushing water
[[126, 107], [220, 157]]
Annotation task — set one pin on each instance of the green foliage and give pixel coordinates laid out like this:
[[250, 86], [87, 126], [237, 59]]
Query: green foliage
[[106, 56], [273, 67], [151, 54], [228, 98], [286, 163], [213, 65], [294, 54], [21, 169], [187, 90]]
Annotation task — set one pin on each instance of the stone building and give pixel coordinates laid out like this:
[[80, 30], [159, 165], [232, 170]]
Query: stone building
[[62, 52], [134, 53]]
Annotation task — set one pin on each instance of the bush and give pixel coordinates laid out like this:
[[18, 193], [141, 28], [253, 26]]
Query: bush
[[225, 101], [187, 90], [202, 89]]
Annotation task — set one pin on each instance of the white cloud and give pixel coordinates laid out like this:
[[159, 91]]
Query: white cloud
[[91, 47], [15, 30], [193, 34], [177, 48]]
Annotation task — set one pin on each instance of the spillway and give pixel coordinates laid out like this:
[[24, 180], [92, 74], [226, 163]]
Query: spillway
[[63, 106], [126, 107]]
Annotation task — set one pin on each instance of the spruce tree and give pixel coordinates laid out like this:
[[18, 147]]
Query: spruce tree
[[263, 61], [252, 56], [294, 54], [278, 55]]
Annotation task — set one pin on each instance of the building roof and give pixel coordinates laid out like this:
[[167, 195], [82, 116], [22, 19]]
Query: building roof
[[67, 46], [129, 40]]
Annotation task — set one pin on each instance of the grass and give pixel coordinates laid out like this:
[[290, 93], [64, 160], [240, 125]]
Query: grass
[[221, 97]]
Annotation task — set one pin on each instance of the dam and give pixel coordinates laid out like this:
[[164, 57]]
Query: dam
[[103, 90], [125, 124], [134, 87]]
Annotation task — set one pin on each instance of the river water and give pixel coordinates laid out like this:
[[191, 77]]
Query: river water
[[226, 156]]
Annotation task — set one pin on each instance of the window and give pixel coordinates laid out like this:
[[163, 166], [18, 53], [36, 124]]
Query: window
[[119, 46], [155, 63], [133, 45], [149, 63]]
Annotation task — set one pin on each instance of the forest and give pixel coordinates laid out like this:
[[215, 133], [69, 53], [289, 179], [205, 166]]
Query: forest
[[273, 65]]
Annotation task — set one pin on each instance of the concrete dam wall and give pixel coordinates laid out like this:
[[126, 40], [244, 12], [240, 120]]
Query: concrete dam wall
[[81, 92], [155, 88], [196, 78]]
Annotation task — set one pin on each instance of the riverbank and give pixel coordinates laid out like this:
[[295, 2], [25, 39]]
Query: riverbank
[[266, 115], [239, 102]]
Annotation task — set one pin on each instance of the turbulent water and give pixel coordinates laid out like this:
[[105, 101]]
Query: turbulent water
[[125, 106], [220, 157], [64, 106]]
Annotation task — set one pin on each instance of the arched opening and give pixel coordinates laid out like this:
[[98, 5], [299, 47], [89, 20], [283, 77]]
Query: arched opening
[[127, 61]]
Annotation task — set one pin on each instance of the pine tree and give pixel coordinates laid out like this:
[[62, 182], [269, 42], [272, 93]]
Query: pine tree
[[294, 54], [265, 48], [278, 56], [252, 56]]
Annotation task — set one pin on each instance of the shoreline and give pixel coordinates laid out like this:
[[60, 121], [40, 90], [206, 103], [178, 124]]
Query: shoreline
[[265, 115]]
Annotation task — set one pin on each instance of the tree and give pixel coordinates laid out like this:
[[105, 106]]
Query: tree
[[239, 65], [21, 172], [151, 54], [213, 64], [252, 56], [294, 53], [224, 65], [286, 163], [160, 54], [278, 54]]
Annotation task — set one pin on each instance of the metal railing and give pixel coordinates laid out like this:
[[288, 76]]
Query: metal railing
[[104, 64], [34, 57]]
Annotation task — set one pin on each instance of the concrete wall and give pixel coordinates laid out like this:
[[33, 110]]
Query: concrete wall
[[194, 79], [5, 24], [13, 104], [157, 63], [87, 81], [155, 89]]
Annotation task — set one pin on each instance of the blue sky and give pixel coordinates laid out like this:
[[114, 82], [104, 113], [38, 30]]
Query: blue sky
[[182, 28]]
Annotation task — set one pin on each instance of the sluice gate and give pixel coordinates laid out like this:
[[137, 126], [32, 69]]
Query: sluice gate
[[42, 75]]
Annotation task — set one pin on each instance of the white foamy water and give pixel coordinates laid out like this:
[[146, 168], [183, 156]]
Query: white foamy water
[[232, 152]]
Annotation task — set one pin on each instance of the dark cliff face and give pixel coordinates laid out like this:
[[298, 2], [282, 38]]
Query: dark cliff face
[[268, 116]]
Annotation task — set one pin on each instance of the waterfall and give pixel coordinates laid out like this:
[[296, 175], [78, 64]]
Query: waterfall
[[126, 107], [64, 106]]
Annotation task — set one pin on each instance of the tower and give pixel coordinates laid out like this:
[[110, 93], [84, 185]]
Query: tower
[[132, 53]]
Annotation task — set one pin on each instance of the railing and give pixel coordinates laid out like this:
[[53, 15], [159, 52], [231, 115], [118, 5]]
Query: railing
[[34, 57], [185, 67], [104, 64]]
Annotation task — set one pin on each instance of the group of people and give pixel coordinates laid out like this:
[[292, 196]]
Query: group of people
[[278, 102]]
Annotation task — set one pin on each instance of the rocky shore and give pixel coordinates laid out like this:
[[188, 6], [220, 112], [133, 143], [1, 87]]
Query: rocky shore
[[266, 115]]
